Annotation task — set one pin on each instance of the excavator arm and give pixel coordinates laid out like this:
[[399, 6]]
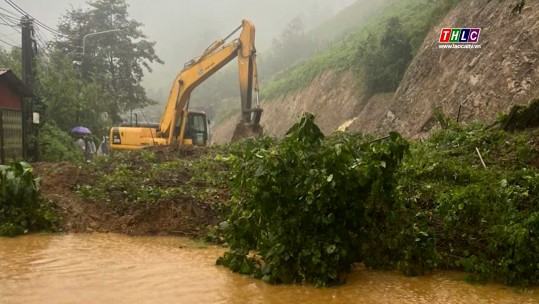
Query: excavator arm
[[198, 70], [249, 125]]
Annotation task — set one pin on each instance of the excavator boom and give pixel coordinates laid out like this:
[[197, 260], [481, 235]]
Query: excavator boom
[[212, 60]]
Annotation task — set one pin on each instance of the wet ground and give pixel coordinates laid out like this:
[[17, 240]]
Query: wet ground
[[113, 268]]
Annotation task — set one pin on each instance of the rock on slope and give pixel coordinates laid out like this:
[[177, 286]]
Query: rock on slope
[[484, 82]]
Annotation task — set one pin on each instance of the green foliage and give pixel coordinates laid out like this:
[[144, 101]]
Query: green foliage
[[133, 179], [302, 203], [349, 20], [11, 60], [385, 61], [72, 100], [218, 95], [306, 207], [367, 51], [21, 208], [56, 145], [484, 220], [302, 74], [93, 91], [521, 117], [116, 61], [291, 46]]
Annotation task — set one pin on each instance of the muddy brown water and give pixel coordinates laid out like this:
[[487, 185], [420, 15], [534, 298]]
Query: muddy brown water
[[112, 268]]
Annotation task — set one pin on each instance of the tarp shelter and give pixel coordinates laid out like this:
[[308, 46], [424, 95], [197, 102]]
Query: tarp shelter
[[12, 93]]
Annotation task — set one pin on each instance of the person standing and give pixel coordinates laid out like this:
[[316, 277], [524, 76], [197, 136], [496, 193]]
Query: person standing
[[89, 148], [81, 143], [93, 149], [104, 146]]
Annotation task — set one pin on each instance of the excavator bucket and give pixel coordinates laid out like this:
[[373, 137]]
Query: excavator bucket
[[245, 130], [249, 129]]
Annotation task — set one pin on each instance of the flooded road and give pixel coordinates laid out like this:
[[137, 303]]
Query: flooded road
[[111, 268]]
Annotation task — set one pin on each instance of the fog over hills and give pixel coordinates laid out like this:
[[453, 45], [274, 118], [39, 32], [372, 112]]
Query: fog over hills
[[182, 29]]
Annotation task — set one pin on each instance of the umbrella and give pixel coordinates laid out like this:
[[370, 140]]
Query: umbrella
[[82, 130]]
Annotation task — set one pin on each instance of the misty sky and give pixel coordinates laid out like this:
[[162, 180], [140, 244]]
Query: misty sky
[[183, 28]]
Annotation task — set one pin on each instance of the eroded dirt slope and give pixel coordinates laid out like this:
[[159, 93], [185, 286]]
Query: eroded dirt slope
[[483, 82], [332, 98]]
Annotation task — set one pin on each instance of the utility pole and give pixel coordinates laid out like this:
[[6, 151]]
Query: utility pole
[[29, 145]]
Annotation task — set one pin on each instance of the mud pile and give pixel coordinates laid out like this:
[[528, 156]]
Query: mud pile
[[112, 210]]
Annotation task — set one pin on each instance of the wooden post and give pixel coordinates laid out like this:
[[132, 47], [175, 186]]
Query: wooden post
[[480, 157], [2, 154]]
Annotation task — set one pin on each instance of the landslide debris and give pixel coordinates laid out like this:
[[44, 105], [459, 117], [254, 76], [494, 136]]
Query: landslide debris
[[309, 206], [165, 190]]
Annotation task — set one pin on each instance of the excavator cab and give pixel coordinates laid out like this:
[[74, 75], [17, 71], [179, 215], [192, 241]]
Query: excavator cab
[[197, 129]]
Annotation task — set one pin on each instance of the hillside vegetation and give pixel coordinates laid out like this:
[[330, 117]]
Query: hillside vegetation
[[396, 32], [339, 83], [310, 206], [478, 83]]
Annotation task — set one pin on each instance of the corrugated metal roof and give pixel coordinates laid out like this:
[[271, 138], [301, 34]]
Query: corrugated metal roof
[[14, 82]]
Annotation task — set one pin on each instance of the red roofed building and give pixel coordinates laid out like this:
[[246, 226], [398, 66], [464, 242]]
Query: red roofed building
[[12, 93]]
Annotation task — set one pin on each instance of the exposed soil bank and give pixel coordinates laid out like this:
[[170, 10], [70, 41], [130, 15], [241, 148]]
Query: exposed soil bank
[[176, 215]]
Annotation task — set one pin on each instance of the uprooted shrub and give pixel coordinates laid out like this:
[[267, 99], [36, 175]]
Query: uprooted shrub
[[306, 207], [300, 203]]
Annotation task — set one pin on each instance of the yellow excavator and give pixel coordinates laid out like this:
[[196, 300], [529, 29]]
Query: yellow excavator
[[178, 124]]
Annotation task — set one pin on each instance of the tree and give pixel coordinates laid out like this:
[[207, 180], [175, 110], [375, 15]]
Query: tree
[[71, 100], [386, 60], [116, 60], [292, 45], [11, 59]]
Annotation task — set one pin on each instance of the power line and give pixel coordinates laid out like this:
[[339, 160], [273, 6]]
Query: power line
[[40, 40], [10, 13], [5, 42], [13, 5], [11, 24], [43, 25], [9, 16], [9, 35], [39, 35], [46, 27], [7, 38], [11, 20]]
